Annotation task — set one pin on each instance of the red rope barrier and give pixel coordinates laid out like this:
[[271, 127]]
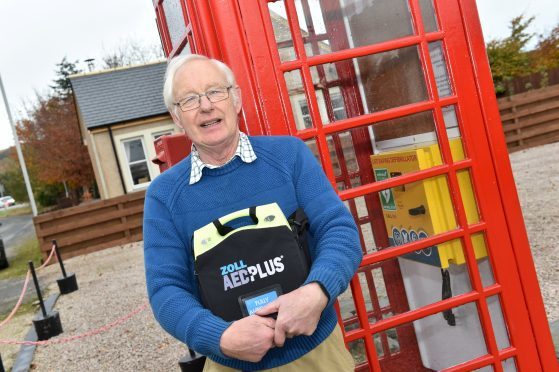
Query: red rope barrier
[[48, 258], [25, 284], [93, 332], [18, 304]]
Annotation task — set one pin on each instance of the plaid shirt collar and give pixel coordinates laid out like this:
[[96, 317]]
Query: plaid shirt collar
[[244, 151]]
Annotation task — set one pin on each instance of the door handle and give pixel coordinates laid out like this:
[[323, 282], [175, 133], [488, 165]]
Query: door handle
[[417, 210]]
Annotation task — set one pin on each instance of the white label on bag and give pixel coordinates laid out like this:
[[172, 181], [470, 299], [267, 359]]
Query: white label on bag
[[237, 274]]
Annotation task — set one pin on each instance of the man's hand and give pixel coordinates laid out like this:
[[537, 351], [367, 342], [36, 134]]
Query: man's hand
[[249, 338], [298, 312]]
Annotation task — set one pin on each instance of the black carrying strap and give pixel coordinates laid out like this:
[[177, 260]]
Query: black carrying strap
[[224, 229], [299, 223], [192, 362], [447, 293]]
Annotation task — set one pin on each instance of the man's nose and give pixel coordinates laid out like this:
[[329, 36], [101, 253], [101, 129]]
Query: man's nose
[[205, 103]]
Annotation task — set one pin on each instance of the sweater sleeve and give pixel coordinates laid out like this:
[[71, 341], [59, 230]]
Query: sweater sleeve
[[171, 286], [336, 247]]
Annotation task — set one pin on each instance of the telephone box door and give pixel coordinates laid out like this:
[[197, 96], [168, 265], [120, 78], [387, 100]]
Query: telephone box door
[[394, 98]]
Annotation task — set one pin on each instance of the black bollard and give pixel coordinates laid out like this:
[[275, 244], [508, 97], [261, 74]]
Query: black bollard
[[48, 325], [68, 283], [192, 362], [3, 258]]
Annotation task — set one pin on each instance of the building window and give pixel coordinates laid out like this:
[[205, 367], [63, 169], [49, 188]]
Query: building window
[[338, 109], [306, 115], [161, 134], [137, 161], [338, 106]]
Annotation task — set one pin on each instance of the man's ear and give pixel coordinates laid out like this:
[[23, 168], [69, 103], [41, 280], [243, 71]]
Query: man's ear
[[239, 100], [176, 119]]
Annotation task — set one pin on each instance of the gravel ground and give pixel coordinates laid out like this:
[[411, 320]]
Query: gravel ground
[[112, 284], [536, 173]]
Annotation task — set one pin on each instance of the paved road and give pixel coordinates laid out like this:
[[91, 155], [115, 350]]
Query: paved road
[[14, 231]]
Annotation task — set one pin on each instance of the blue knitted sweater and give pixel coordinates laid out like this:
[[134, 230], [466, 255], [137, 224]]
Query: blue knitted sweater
[[285, 172]]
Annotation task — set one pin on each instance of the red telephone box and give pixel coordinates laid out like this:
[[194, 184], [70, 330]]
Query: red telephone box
[[395, 98]]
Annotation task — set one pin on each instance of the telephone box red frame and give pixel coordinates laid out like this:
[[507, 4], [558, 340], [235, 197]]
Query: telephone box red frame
[[239, 32]]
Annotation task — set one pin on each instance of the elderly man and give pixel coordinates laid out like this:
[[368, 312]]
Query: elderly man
[[228, 171]]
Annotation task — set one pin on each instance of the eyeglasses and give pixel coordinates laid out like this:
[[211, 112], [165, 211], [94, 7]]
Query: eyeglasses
[[192, 101]]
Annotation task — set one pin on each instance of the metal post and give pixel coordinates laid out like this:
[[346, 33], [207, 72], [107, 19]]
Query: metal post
[[19, 153], [59, 257], [68, 283], [38, 289]]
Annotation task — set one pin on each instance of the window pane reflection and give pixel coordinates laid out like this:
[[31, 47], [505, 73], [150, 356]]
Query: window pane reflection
[[298, 99], [175, 20], [348, 24], [278, 16], [440, 70], [428, 13], [498, 320], [442, 346], [371, 83]]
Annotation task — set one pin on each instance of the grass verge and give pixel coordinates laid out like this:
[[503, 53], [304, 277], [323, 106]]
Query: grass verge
[[27, 251], [16, 329], [27, 307], [15, 211]]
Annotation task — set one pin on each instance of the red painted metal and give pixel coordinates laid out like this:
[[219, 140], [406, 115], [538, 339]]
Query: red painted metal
[[505, 181], [171, 149], [241, 34]]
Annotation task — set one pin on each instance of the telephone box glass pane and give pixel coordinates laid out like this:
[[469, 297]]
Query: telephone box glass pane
[[357, 350], [311, 144], [372, 83], [468, 196], [424, 278], [373, 286], [438, 61], [407, 213], [298, 99], [429, 17], [399, 146], [186, 50], [417, 210], [443, 346], [347, 310], [509, 365], [427, 283], [484, 264], [499, 325], [175, 20], [328, 26], [453, 133], [344, 161], [282, 33]]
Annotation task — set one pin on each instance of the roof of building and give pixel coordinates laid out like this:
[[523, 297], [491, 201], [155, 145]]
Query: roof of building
[[120, 95]]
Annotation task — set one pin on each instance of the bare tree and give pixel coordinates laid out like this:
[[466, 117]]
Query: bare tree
[[130, 53]]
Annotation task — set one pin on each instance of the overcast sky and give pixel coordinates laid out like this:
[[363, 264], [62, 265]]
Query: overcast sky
[[37, 34]]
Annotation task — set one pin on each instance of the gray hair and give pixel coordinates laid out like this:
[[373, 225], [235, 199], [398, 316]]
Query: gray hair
[[177, 62]]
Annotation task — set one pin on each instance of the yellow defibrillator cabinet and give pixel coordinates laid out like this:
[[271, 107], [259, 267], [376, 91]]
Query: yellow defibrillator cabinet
[[424, 208], [421, 209]]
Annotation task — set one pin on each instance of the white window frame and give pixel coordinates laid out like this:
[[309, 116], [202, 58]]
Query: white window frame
[[161, 133], [128, 163]]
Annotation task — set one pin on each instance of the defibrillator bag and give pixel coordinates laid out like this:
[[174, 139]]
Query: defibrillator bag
[[241, 270]]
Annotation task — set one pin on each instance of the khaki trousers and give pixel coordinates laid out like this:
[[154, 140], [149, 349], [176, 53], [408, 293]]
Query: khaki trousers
[[330, 355]]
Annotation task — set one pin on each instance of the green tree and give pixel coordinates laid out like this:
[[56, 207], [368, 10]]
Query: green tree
[[546, 54], [11, 176], [62, 86], [508, 57]]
